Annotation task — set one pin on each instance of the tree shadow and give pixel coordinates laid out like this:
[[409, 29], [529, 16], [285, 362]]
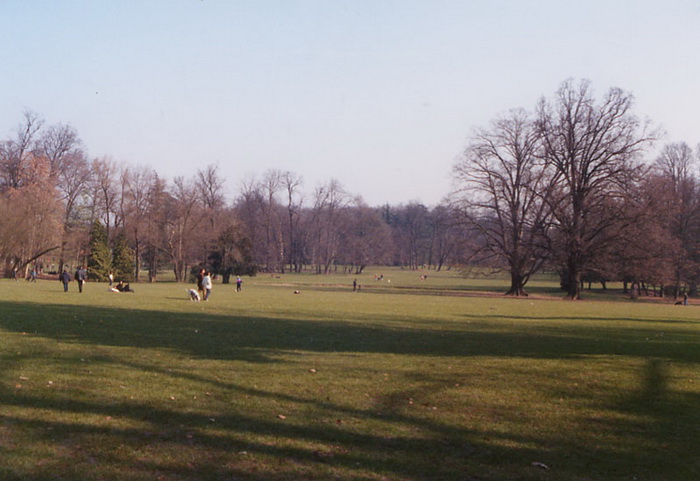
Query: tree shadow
[[662, 422]]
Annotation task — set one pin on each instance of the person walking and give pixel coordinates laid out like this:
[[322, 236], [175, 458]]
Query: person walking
[[81, 277], [206, 285], [239, 283], [65, 279]]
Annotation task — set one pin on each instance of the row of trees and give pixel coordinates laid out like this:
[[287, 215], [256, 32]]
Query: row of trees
[[563, 187], [58, 208], [566, 186]]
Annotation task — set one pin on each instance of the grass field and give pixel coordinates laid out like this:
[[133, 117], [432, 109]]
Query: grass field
[[403, 380]]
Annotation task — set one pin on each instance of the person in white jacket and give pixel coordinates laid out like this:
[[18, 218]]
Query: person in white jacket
[[206, 284]]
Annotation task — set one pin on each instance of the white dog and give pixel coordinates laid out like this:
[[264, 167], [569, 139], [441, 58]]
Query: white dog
[[194, 295]]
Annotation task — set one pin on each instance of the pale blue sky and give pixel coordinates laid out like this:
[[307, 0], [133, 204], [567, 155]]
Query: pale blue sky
[[381, 95]]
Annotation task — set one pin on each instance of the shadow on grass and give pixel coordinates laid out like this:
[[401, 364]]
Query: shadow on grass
[[439, 452], [260, 339]]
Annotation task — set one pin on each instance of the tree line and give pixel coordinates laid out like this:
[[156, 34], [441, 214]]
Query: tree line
[[565, 187], [59, 208]]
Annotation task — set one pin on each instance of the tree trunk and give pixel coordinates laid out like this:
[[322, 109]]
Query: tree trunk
[[574, 280], [517, 285]]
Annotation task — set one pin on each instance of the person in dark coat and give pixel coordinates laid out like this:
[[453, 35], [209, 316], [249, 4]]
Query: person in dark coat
[[64, 277]]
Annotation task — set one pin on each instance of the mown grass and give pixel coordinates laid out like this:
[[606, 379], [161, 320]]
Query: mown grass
[[404, 380]]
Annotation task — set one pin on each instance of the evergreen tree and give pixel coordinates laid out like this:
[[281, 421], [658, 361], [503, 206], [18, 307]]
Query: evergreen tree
[[100, 257], [123, 260]]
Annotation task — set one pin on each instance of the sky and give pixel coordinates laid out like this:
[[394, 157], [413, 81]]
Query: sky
[[381, 95]]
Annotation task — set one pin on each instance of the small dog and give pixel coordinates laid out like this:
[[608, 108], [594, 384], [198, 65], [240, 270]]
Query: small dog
[[194, 295]]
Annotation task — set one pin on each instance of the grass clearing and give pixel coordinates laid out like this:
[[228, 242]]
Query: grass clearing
[[404, 380]]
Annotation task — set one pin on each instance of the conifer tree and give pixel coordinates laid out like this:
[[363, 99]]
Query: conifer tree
[[100, 257], [123, 260]]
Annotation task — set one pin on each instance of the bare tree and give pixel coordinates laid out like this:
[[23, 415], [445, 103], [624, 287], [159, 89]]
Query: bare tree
[[184, 219], [138, 202], [104, 194], [329, 201], [14, 152], [271, 184], [155, 228], [592, 148], [249, 207], [61, 146], [292, 183], [210, 187], [30, 217], [503, 195]]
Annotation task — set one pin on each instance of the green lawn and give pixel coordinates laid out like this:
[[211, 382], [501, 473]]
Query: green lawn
[[404, 380]]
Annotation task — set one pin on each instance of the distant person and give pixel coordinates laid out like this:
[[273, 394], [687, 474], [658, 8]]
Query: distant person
[[239, 283], [200, 280], [32, 275], [111, 279], [354, 285], [64, 277], [80, 277], [206, 285], [14, 274]]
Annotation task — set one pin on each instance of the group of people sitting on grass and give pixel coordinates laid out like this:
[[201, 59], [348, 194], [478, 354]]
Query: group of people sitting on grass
[[121, 287]]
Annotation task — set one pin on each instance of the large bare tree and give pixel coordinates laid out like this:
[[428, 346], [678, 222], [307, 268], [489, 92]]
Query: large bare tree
[[503, 195], [593, 148], [70, 170]]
